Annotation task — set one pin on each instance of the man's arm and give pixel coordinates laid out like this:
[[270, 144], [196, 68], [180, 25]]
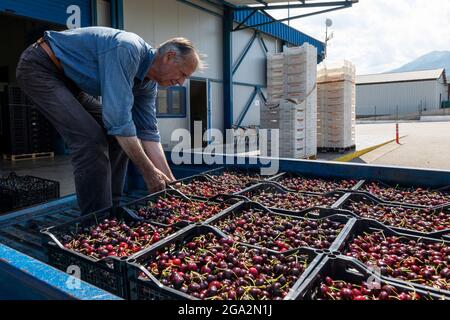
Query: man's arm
[[153, 177], [156, 154], [144, 116]]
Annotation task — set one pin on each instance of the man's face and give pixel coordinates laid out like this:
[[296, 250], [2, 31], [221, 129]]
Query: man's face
[[172, 72]]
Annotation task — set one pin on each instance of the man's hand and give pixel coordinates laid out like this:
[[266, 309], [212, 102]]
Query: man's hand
[[156, 154], [156, 180], [156, 175]]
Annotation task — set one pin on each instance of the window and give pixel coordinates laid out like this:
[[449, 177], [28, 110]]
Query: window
[[162, 101], [171, 102]]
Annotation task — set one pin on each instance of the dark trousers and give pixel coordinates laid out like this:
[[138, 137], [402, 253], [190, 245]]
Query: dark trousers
[[98, 161]]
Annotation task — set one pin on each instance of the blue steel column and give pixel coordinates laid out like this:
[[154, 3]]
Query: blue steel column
[[227, 67], [93, 12], [120, 24], [117, 14]]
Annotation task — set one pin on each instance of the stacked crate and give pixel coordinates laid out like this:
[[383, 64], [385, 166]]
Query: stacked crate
[[14, 109], [336, 116], [25, 130], [41, 132], [292, 101]]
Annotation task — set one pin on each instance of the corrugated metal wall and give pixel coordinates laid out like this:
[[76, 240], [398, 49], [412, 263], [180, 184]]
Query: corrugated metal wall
[[158, 20], [409, 96], [442, 89], [251, 71]]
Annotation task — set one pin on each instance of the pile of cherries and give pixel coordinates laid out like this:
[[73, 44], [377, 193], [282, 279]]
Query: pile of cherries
[[236, 177], [417, 196], [278, 232], [209, 267], [115, 238], [316, 184], [290, 200], [170, 210], [423, 220], [330, 289], [404, 259]]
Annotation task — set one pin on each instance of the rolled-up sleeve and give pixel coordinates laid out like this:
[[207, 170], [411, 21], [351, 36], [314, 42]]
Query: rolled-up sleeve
[[144, 113], [117, 68]]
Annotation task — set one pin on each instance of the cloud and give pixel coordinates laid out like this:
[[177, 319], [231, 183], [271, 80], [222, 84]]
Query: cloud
[[380, 35]]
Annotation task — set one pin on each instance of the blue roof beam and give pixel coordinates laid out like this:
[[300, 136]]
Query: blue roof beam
[[278, 30], [292, 18], [256, 91], [241, 26]]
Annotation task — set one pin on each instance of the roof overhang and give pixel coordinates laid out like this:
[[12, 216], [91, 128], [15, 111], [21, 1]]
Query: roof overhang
[[264, 6], [283, 4], [255, 14]]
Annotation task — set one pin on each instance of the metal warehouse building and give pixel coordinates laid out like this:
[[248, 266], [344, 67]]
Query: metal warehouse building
[[405, 92], [235, 41]]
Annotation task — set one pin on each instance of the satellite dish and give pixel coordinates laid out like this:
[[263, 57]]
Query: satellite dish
[[328, 22]]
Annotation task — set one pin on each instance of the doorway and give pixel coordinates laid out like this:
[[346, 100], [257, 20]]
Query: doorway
[[198, 101]]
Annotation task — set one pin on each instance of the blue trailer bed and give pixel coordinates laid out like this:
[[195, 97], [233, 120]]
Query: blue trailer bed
[[21, 249]]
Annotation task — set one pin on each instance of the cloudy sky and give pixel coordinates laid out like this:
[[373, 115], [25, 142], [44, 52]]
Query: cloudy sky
[[381, 35]]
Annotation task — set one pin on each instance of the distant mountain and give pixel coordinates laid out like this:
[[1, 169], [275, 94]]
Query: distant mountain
[[432, 60]]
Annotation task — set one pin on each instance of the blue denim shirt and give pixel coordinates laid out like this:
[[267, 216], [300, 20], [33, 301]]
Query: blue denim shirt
[[112, 63]]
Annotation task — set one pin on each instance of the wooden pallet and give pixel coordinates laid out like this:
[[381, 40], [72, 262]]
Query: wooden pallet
[[29, 156]]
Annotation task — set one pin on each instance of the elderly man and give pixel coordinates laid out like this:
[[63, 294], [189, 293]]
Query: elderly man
[[63, 71]]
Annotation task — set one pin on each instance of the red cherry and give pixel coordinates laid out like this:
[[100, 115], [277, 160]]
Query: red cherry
[[253, 271]]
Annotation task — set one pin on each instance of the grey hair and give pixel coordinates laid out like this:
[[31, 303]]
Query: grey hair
[[182, 48]]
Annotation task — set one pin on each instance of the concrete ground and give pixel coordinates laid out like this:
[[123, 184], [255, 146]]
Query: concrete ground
[[366, 136], [426, 145]]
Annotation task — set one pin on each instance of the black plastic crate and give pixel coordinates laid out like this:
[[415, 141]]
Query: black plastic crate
[[363, 227], [41, 148], [15, 95], [24, 129], [309, 214], [150, 288], [14, 138], [269, 187], [219, 188], [107, 273], [343, 269], [22, 191], [40, 130], [328, 185], [445, 191], [15, 135], [136, 205], [344, 205], [15, 105]]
